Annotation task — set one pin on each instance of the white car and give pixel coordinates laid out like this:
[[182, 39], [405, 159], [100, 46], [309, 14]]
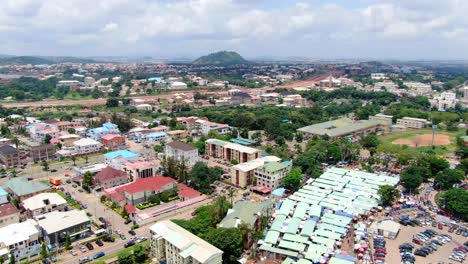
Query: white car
[[83, 249]]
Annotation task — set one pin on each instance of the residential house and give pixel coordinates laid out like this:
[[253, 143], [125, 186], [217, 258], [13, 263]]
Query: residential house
[[206, 127], [86, 146], [109, 177], [8, 215], [173, 244], [181, 151], [271, 175], [44, 203], [22, 188], [55, 226], [21, 239], [98, 132]]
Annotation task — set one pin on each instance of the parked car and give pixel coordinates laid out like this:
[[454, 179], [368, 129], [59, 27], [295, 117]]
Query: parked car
[[99, 255], [83, 249], [99, 242], [89, 246], [108, 239], [73, 252], [131, 232], [123, 237], [128, 221], [85, 260], [129, 244]]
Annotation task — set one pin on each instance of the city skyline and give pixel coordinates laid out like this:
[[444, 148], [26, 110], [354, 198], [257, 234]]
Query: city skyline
[[376, 29]]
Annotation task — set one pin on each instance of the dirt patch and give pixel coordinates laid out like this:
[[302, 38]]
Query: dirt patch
[[423, 140]]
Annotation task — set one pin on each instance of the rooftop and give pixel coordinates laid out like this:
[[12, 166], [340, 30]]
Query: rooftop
[[56, 221], [181, 146], [39, 201], [138, 164], [7, 149], [245, 212], [188, 244], [7, 209], [146, 184], [276, 166], [124, 153], [107, 174], [253, 164], [110, 136], [86, 142], [21, 186], [18, 232], [339, 127]]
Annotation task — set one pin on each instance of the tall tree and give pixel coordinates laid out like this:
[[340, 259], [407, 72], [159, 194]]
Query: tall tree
[[87, 181], [388, 194], [293, 179], [447, 178]]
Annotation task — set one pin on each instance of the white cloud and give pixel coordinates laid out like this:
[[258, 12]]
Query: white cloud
[[120, 27]]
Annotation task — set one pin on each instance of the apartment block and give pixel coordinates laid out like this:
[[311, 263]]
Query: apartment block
[[230, 151], [410, 122]]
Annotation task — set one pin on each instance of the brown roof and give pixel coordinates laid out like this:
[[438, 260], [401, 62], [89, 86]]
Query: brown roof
[[181, 146], [7, 209], [108, 173]]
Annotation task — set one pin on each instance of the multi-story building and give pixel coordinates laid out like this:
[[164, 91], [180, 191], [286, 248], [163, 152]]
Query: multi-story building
[[230, 151], [39, 131], [271, 175], [378, 76], [117, 158], [86, 146], [419, 89], [44, 203], [9, 156], [109, 177], [206, 127], [173, 244], [41, 152], [140, 169], [113, 141], [8, 214], [182, 151], [384, 118], [98, 132], [411, 122], [243, 174], [21, 239], [445, 101], [55, 226]]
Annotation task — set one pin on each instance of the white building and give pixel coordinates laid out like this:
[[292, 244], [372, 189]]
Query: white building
[[445, 101], [381, 117], [89, 81], [173, 244], [243, 174], [140, 169], [387, 84], [21, 239], [271, 175], [86, 146], [44, 203], [144, 107], [378, 76], [419, 89], [178, 85], [411, 122], [69, 83], [181, 151], [207, 126]]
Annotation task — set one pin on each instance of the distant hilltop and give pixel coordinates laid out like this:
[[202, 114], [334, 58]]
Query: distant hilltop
[[36, 60], [221, 58]]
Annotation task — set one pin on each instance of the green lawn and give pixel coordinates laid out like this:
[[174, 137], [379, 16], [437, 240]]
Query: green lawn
[[125, 250], [386, 140]]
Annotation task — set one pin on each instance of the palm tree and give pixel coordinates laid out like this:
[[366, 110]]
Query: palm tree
[[231, 192], [73, 158], [246, 233], [16, 141], [182, 171]]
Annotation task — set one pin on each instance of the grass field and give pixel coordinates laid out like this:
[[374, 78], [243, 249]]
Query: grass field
[[386, 140]]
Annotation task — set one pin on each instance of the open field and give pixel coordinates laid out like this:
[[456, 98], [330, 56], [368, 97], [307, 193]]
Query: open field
[[447, 140]]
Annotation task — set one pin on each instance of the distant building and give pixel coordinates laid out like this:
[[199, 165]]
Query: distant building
[[384, 118], [378, 76], [173, 244], [89, 81], [178, 85], [271, 175], [445, 101], [9, 156], [418, 89], [230, 151], [44, 203], [69, 83], [182, 151], [21, 239], [8, 215], [116, 158], [344, 127], [411, 122], [55, 226]]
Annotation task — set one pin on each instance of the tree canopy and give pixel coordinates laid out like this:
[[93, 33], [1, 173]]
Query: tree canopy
[[388, 194], [293, 179], [447, 178], [454, 201]]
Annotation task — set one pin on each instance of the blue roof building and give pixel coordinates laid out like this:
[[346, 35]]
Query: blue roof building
[[124, 153], [98, 132]]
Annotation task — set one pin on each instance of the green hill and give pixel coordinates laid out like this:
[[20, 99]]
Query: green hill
[[221, 58], [24, 60]]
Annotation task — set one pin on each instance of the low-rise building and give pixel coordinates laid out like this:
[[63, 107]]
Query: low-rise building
[[271, 175], [8, 215], [206, 127], [98, 132], [22, 189], [41, 152], [9, 156], [55, 226], [177, 134], [3, 196], [445, 101], [86, 146], [142, 188], [109, 177], [173, 244], [44, 203], [411, 122], [117, 158], [243, 174], [181, 151], [21, 239], [249, 213], [230, 151], [388, 119]]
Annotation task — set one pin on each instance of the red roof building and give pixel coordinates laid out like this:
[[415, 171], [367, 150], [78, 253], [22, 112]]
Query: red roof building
[[8, 214], [113, 141], [186, 193], [139, 190], [110, 177]]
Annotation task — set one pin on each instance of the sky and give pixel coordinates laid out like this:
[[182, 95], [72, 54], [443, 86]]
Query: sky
[[316, 29]]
